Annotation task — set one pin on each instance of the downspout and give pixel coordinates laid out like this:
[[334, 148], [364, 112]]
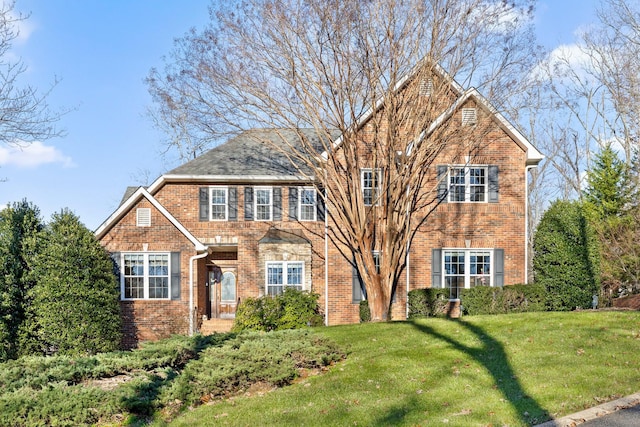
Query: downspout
[[526, 222], [326, 260], [407, 256], [191, 305]]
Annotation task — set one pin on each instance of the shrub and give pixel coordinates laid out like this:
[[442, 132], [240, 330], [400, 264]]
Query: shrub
[[509, 299], [273, 358], [566, 259], [292, 309], [428, 302], [365, 312]]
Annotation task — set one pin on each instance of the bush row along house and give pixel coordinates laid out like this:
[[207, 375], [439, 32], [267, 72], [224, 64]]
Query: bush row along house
[[241, 221]]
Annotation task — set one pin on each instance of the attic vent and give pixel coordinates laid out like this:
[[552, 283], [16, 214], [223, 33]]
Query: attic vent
[[426, 87], [469, 116], [143, 217]]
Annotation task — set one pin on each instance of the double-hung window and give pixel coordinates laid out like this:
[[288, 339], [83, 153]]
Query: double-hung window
[[219, 197], [307, 204], [465, 268], [145, 276], [263, 203], [370, 182], [468, 184], [281, 274]]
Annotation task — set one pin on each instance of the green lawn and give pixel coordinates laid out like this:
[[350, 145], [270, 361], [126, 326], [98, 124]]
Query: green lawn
[[517, 369]]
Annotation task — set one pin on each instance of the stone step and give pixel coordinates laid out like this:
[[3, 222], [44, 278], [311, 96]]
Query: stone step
[[212, 326]]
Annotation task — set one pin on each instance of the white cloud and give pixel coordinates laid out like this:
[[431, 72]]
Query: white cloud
[[33, 155]]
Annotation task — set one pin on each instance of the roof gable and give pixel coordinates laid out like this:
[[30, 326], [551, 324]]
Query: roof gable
[[533, 155], [130, 202]]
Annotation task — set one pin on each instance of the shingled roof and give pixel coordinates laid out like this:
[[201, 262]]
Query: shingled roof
[[257, 152]]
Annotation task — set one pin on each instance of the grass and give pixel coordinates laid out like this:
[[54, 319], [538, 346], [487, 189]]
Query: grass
[[508, 370]]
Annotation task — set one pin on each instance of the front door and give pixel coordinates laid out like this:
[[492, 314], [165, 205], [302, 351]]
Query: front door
[[222, 293]]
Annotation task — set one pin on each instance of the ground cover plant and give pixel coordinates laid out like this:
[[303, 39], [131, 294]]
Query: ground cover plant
[[516, 369], [157, 381]]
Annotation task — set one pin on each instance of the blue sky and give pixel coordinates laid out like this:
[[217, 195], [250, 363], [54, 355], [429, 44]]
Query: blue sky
[[101, 50]]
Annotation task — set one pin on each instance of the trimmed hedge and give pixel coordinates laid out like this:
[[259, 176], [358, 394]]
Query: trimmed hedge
[[508, 299], [428, 302], [431, 302], [292, 309]]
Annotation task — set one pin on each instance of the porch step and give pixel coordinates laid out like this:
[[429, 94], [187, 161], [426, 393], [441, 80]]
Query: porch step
[[212, 326]]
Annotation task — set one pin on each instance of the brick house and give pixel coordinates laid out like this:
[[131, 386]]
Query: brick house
[[241, 221]]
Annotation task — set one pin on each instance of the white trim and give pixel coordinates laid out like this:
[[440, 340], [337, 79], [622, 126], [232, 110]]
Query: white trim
[[226, 202], [376, 175], [467, 183], [467, 265], [145, 275], [255, 203], [285, 265], [315, 204]]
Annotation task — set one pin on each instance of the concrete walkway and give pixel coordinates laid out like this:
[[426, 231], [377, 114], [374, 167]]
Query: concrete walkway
[[595, 412]]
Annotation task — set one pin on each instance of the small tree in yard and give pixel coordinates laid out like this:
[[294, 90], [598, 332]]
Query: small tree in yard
[[566, 259], [75, 307], [326, 66], [19, 225]]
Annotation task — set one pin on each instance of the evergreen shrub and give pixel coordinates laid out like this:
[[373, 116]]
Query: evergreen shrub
[[508, 299], [292, 309], [428, 302]]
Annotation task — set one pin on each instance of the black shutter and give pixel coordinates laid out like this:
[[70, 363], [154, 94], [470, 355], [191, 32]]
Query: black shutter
[[320, 204], [357, 288], [175, 276], [493, 184], [233, 203], [436, 268], [204, 203], [117, 269], [293, 203], [498, 267], [442, 182], [277, 203], [248, 203]]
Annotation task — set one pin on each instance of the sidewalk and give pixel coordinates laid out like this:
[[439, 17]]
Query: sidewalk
[[595, 412]]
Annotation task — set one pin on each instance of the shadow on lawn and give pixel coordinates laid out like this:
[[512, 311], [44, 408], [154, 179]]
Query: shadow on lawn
[[492, 356]]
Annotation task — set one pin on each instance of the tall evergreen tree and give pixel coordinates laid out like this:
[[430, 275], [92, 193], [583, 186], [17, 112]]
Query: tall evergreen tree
[[607, 193], [19, 225], [76, 299]]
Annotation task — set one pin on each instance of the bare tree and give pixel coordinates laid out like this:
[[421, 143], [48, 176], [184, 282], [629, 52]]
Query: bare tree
[[596, 86], [25, 115], [371, 72]]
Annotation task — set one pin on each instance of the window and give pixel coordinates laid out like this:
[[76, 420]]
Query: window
[[145, 276], [370, 181], [143, 217], [307, 204], [464, 268], [281, 274], [468, 184], [469, 116], [219, 203], [263, 203]]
